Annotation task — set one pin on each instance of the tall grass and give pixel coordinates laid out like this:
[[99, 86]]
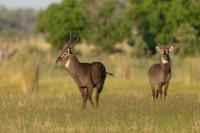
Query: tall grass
[[125, 103], [29, 79]]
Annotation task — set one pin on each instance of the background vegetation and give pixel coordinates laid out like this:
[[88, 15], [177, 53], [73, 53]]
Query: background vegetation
[[16, 22], [107, 22]]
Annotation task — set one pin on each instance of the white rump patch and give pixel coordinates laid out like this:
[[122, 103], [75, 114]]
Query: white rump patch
[[67, 63]]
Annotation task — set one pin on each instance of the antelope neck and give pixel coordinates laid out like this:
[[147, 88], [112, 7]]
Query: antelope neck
[[67, 63], [163, 61], [166, 67], [72, 64]]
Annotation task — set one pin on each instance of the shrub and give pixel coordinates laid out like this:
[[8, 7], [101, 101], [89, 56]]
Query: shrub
[[140, 47], [188, 39]]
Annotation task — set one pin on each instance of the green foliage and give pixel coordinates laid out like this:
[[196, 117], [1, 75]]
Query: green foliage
[[107, 22], [103, 26], [157, 19], [107, 25], [140, 47], [188, 40], [61, 19]]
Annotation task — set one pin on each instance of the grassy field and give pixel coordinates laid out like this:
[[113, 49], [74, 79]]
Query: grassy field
[[126, 104]]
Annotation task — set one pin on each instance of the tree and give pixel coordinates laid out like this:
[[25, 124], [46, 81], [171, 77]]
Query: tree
[[107, 22], [59, 20], [157, 19], [188, 39], [100, 22], [140, 47], [16, 22]]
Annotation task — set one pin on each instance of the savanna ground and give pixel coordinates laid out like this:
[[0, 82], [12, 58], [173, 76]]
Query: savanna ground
[[126, 104]]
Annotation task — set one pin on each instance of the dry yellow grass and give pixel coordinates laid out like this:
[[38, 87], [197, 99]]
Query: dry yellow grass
[[125, 104]]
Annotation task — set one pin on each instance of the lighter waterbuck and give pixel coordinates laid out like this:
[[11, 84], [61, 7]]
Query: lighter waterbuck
[[160, 74], [86, 75]]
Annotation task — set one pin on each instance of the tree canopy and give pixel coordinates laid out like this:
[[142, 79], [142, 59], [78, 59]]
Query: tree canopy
[[107, 22]]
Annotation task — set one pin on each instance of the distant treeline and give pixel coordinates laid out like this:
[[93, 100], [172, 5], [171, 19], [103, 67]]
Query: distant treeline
[[141, 22], [17, 22]]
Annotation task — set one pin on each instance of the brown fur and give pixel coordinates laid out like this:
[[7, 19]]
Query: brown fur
[[160, 74], [86, 75]]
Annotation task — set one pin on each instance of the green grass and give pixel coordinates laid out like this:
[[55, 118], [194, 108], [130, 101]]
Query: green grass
[[124, 107], [126, 104]]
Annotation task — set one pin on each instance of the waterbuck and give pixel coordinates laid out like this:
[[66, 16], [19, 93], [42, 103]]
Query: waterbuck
[[160, 74], [86, 75]]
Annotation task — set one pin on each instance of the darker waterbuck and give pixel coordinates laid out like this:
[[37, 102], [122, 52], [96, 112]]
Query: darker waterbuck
[[86, 75], [160, 74]]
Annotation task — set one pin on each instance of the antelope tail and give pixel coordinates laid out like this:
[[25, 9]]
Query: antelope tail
[[109, 73]]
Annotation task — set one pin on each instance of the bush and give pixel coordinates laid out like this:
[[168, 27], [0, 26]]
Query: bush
[[107, 22], [59, 20], [188, 39], [100, 22], [140, 47]]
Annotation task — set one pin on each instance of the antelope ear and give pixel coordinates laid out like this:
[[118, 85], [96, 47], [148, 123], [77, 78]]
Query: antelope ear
[[158, 48], [171, 48]]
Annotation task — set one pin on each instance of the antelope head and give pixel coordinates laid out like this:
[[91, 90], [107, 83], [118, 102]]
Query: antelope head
[[64, 57], [164, 52]]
